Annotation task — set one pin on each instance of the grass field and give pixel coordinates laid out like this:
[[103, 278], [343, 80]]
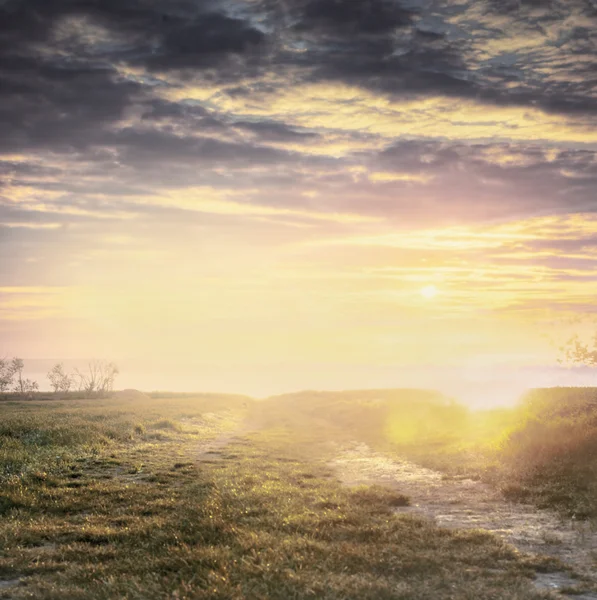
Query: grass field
[[544, 450], [125, 498], [550, 454]]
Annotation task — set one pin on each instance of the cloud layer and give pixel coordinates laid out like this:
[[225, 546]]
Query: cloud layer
[[248, 153]]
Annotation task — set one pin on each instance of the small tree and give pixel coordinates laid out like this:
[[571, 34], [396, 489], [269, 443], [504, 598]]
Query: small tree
[[6, 374], [99, 377], [107, 377], [580, 353], [22, 386], [59, 379]]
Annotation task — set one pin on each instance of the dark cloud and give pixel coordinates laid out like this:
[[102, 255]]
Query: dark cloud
[[374, 65], [403, 52], [524, 7], [84, 79], [145, 147], [375, 44], [55, 91], [166, 35], [60, 107], [276, 131], [347, 17], [62, 88], [204, 42]]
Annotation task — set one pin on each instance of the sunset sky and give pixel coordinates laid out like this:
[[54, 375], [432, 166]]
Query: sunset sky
[[268, 195]]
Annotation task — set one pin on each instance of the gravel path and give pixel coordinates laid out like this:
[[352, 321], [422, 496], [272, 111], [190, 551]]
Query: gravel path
[[467, 504]]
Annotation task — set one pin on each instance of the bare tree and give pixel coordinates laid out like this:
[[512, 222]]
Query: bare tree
[[6, 374], [59, 379], [78, 380], [107, 377], [22, 386], [88, 379], [99, 377]]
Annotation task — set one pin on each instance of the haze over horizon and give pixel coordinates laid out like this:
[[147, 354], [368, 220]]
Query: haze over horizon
[[363, 192], [496, 386]]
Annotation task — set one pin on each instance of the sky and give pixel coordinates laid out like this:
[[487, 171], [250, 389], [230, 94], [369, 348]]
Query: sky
[[268, 195]]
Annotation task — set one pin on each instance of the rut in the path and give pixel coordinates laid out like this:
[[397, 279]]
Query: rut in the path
[[466, 504]]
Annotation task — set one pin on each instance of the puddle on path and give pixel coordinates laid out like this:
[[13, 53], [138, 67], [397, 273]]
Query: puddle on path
[[467, 504]]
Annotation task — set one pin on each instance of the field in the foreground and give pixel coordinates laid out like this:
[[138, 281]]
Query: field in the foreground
[[156, 498]]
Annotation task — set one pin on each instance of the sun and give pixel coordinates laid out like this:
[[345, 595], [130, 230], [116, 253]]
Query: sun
[[429, 292]]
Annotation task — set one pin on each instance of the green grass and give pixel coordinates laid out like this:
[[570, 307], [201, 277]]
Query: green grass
[[123, 514]]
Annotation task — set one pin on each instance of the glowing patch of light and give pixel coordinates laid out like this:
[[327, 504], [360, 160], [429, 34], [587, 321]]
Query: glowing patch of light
[[429, 292]]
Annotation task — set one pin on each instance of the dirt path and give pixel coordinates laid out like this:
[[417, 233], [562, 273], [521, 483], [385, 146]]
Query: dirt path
[[211, 449], [463, 503]]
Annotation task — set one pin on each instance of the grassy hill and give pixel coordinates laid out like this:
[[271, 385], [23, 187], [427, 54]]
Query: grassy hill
[[543, 450]]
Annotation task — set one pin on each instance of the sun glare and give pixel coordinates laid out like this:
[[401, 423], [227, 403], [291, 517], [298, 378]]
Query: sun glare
[[429, 292]]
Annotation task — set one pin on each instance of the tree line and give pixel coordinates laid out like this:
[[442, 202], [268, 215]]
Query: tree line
[[97, 378]]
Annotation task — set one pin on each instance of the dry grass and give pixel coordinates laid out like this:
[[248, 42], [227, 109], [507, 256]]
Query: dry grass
[[543, 451], [550, 456], [123, 514]]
